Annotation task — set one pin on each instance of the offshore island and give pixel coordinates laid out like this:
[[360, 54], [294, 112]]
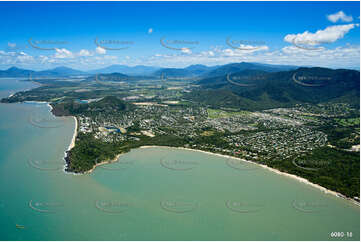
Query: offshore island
[[307, 127]]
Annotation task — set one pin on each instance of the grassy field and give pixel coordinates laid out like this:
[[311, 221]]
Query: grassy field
[[217, 113], [348, 122]]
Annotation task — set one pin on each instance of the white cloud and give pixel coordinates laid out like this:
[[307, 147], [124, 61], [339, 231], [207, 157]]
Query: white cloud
[[251, 48], [11, 45], [16, 58], [328, 35], [347, 56], [84, 52], [63, 53], [100, 50], [23, 58], [339, 16], [186, 51], [243, 50], [43, 59], [10, 53], [341, 57], [296, 50], [209, 53]]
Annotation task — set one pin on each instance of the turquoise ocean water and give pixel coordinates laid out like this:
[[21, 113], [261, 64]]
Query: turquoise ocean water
[[150, 194]]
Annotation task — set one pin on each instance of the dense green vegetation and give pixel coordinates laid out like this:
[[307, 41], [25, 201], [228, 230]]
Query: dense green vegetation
[[103, 99], [279, 89], [343, 132], [334, 169], [341, 137], [89, 151], [106, 105]]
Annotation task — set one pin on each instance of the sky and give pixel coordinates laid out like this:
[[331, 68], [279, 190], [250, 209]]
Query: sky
[[92, 35]]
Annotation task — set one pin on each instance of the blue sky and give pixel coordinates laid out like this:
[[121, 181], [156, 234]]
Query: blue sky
[[41, 35]]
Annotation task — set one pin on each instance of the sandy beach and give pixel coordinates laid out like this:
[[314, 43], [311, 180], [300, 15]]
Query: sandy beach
[[51, 108], [72, 144], [300, 179], [103, 163]]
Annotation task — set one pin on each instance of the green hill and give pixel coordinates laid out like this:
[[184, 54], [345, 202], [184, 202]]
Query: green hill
[[108, 104], [257, 90]]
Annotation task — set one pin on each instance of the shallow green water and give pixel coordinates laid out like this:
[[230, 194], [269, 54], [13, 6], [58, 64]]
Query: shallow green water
[[150, 194]]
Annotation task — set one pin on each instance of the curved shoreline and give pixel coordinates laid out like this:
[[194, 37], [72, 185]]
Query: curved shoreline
[[75, 133], [295, 177], [103, 163], [298, 178], [71, 146]]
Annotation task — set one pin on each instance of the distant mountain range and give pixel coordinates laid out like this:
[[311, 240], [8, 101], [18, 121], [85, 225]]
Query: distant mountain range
[[140, 70], [220, 70], [111, 77], [258, 89], [127, 70], [237, 67], [56, 72], [247, 86], [15, 72], [190, 71], [60, 71]]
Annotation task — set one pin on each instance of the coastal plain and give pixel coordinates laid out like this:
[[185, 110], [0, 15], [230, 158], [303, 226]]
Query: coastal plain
[[151, 156]]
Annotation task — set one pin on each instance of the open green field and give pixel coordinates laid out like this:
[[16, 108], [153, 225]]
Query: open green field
[[348, 121], [217, 113]]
